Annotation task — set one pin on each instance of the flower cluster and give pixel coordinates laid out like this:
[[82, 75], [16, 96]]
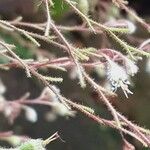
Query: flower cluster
[[119, 75], [57, 108], [12, 109]]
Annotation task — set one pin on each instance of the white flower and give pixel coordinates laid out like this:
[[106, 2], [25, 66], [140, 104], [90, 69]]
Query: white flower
[[131, 67], [118, 77], [131, 26], [32, 144], [59, 109], [116, 72], [49, 94], [30, 114]]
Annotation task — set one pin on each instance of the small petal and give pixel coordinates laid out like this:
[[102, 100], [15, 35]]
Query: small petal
[[131, 67], [61, 110], [48, 93], [131, 26], [50, 116], [30, 114], [115, 72]]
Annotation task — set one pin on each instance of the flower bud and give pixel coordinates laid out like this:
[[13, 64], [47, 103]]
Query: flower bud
[[33, 144], [131, 67], [118, 77], [30, 114]]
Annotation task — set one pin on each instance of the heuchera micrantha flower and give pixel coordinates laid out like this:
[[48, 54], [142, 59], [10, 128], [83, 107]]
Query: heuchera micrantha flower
[[118, 77]]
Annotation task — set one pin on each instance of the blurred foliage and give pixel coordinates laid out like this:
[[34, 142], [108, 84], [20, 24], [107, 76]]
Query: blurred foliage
[[59, 9], [20, 50]]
